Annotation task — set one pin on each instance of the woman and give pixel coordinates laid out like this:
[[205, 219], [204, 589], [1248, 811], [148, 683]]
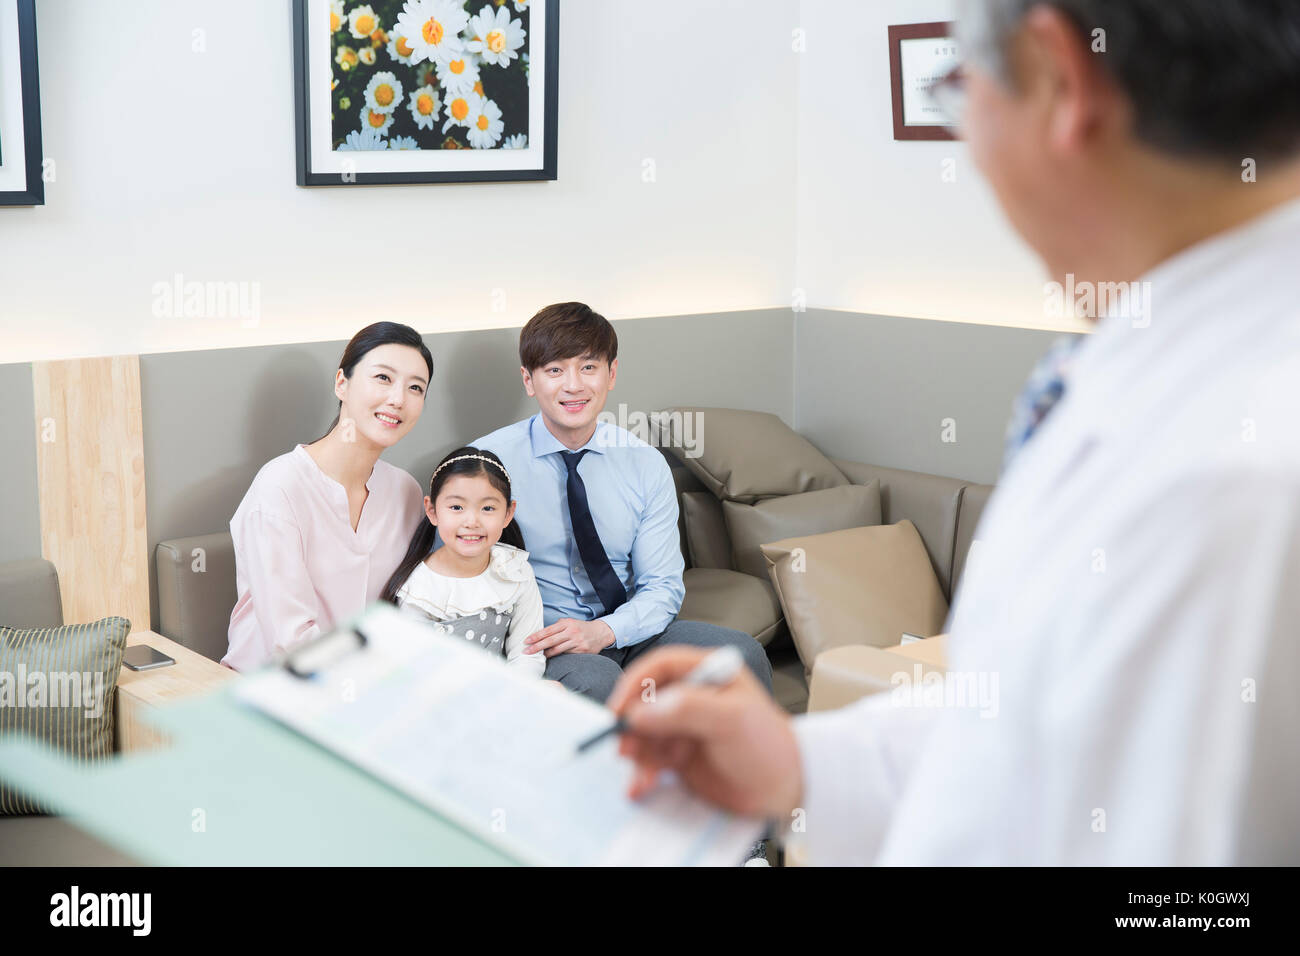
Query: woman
[[323, 527]]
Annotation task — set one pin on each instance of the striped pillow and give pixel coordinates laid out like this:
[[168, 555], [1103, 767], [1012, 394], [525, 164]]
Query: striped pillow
[[58, 684]]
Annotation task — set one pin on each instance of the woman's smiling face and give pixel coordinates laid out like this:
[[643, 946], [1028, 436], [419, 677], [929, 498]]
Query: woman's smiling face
[[383, 398]]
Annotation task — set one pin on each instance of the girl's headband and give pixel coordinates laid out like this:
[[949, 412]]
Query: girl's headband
[[491, 461]]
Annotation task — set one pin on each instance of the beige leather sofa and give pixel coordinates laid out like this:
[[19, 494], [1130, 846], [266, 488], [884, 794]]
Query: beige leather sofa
[[945, 512], [194, 606], [30, 597]]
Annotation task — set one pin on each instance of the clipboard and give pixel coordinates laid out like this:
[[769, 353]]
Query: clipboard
[[492, 750]]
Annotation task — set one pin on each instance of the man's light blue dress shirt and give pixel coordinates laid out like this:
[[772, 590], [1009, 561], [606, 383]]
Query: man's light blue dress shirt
[[634, 505]]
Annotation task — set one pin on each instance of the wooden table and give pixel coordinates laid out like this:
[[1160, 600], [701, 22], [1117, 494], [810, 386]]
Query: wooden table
[[138, 691]]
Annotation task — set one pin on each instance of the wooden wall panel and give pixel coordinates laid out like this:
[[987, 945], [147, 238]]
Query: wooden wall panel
[[90, 474]]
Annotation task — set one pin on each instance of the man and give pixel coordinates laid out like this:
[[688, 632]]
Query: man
[[598, 510], [1137, 588]]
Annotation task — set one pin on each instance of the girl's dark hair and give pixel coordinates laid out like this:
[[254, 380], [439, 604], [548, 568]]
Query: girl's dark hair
[[370, 338], [462, 461]]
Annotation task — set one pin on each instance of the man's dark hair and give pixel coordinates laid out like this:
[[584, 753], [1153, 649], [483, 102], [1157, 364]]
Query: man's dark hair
[[566, 330], [1207, 78]]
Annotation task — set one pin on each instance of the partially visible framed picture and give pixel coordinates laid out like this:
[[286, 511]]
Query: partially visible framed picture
[[20, 107], [920, 55], [425, 91]]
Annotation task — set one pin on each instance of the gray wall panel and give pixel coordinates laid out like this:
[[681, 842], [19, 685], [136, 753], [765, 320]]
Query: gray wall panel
[[876, 389], [213, 418], [21, 534]]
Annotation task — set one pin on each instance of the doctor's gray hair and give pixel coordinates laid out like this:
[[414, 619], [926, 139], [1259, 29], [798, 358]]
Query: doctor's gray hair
[[1210, 79]]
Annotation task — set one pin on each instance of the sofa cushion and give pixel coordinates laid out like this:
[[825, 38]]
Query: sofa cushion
[[731, 599], [860, 586], [29, 594], [684, 482], [706, 531], [745, 456], [813, 512], [197, 591], [57, 685], [973, 500], [930, 502]]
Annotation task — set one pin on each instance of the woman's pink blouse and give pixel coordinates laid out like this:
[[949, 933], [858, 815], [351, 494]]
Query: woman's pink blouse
[[300, 569]]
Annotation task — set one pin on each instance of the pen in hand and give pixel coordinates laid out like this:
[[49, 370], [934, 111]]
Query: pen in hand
[[716, 670]]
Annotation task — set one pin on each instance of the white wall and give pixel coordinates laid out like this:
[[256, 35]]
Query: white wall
[[879, 231], [169, 161]]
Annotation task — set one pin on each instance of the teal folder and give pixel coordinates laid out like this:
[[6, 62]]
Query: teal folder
[[236, 788]]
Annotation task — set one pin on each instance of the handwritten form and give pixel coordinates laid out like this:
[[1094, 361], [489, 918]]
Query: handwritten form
[[494, 751]]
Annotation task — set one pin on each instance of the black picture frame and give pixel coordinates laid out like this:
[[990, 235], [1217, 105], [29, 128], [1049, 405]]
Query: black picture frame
[[302, 121], [33, 191]]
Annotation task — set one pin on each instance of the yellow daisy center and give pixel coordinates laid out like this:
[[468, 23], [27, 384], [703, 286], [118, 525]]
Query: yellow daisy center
[[432, 31], [424, 104], [377, 120], [478, 87], [496, 41], [383, 94], [482, 122], [456, 66], [350, 56], [334, 22], [404, 48], [365, 23], [459, 109]]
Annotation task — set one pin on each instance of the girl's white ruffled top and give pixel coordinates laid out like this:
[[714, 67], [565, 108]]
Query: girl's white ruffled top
[[507, 586]]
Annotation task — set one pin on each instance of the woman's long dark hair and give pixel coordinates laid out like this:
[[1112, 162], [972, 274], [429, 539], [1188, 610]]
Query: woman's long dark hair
[[370, 338], [462, 461]]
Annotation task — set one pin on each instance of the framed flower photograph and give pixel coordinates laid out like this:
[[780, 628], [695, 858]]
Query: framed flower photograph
[[20, 107], [425, 91]]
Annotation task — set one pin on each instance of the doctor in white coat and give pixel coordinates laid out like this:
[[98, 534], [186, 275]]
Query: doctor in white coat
[[1147, 708]]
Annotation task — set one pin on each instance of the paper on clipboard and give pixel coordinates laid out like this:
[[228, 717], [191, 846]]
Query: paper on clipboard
[[492, 750]]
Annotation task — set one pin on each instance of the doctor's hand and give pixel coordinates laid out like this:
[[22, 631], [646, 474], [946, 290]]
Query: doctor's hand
[[568, 636], [731, 745]]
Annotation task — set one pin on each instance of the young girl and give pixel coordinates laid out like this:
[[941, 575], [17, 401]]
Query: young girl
[[478, 586]]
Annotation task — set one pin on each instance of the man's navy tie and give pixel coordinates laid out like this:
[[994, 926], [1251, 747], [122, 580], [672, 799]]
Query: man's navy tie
[[608, 587]]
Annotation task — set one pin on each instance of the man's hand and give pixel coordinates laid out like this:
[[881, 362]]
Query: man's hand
[[567, 636], [732, 745]]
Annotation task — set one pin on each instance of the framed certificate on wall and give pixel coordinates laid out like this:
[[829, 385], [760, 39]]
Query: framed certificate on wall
[[920, 55]]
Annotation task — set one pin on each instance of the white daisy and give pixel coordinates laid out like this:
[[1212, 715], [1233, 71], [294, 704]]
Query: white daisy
[[367, 55], [362, 22], [460, 108], [373, 119], [400, 48], [433, 28], [346, 58], [521, 6], [403, 142], [384, 92], [486, 125], [362, 139], [495, 36], [336, 15], [459, 74], [424, 107], [518, 141]]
